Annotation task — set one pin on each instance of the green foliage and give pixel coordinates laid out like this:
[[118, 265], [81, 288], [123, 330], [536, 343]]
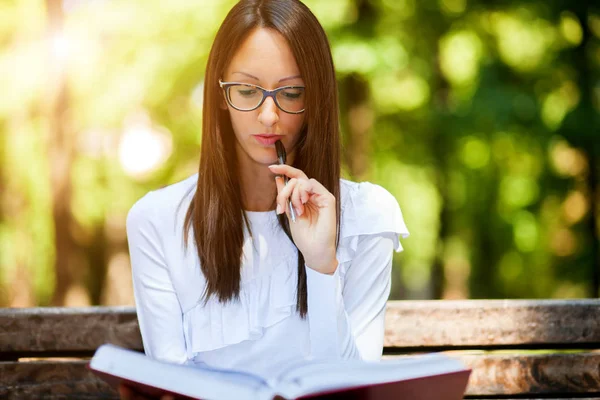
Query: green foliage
[[485, 127]]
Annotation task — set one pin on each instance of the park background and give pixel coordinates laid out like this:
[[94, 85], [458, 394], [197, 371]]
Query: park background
[[482, 118]]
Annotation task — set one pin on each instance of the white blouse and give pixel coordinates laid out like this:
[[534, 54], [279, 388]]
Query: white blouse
[[262, 331]]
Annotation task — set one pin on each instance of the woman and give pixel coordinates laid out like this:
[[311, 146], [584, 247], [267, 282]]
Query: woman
[[222, 275]]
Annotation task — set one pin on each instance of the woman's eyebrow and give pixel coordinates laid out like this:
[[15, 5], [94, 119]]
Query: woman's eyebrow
[[254, 77]]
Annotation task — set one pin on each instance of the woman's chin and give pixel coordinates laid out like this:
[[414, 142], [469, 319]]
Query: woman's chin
[[265, 156], [266, 161]]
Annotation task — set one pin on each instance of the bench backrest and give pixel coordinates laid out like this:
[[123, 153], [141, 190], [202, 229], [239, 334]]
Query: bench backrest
[[521, 348]]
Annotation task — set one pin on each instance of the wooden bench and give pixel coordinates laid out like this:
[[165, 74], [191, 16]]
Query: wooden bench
[[518, 349]]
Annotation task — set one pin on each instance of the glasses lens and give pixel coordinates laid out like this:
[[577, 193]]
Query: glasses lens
[[244, 97], [291, 99]]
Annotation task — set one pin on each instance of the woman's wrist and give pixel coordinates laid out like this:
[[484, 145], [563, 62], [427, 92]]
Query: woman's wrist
[[328, 267]]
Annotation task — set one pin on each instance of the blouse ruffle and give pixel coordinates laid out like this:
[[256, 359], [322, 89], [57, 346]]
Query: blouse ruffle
[[367, 209], [263, 302]]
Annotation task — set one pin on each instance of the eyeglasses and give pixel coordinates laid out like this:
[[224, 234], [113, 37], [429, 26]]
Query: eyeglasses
[[248, 97]]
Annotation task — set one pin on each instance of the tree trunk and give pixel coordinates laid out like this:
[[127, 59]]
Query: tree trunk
[[60, 148], [585, 134], [359, 125], [594, 187]]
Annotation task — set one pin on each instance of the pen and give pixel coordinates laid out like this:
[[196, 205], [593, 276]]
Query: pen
[[281, 156]]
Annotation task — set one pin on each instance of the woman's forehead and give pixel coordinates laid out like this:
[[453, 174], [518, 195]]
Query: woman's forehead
[[243, 74], [264, 57]]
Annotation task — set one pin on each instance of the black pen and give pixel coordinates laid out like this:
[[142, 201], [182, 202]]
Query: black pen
[[281, 156]]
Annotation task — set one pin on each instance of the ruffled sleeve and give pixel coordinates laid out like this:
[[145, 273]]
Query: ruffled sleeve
[[346, 310], [368, 209]]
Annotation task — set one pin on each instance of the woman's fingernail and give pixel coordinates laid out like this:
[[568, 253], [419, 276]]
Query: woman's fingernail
[[298, 211], [279, 209], [272, 165]]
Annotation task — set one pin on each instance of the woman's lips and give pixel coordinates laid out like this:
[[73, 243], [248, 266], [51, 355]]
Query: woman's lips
[[267, 140]]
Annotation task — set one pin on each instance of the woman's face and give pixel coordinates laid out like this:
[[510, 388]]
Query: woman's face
[[264, 59]]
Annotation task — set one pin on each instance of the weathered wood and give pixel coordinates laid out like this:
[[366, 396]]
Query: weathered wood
[[529, 375], [415, 325], [493, 324], [410, 326], [563, 374], [50, 380], [493, 375], [38, 330]]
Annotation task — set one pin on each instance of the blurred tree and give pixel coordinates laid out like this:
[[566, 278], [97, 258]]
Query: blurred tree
[[355, 104], [582, 125], [480, 117], [61, 151]]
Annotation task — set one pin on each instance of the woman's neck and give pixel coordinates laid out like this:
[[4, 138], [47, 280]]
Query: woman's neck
[[258, 187], [257, 184]]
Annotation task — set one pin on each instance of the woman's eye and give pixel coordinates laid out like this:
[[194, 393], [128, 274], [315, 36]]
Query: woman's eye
[[247, 92], [291, 95]]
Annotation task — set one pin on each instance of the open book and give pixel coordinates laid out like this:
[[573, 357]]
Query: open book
[[427, 377]]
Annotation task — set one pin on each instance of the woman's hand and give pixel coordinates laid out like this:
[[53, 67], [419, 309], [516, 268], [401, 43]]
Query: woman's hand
[[314, 231], [128, 393]]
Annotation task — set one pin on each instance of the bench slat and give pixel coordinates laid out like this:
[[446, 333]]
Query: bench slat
[[47, 329], [493, 375], [531, 375], [410, 325], [493, 324], [49, 380]]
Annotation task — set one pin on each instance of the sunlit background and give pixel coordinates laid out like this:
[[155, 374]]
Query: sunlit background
[[482, 118]]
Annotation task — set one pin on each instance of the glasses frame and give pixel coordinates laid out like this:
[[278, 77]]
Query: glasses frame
[[266, 93]]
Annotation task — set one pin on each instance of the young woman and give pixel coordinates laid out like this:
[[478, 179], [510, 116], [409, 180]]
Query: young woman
[[222, 274]]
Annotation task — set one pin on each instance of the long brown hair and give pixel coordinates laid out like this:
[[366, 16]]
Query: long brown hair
[[216, 211]]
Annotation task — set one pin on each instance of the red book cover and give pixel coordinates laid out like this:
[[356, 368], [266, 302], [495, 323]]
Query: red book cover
[[433, 377]]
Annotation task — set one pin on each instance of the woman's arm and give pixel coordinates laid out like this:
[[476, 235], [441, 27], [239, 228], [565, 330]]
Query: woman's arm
[[345, 322], [347, 318], [158, 309]]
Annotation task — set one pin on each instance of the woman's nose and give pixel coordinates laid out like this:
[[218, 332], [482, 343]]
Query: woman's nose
[[269, 113]]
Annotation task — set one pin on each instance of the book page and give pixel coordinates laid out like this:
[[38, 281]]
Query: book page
[[319, 375], [189, 380]]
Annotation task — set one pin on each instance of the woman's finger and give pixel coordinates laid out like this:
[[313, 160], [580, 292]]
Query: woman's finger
[[284, 195], [280, 183], [125, 393], [300, 195], [128, 393], [288, 170], [320, 195]]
